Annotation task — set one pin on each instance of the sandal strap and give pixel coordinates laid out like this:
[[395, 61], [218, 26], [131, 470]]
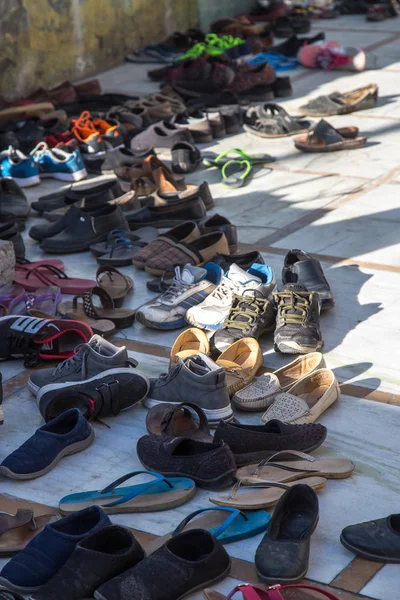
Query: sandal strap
[[24, 516], [234, 512], [89, 308], [261, 485], [280, 455], [42, 272], [187, 407], [324, 132], [110, 488]]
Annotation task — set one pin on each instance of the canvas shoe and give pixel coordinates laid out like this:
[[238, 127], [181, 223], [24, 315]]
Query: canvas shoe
[[202, 379], [214, 310], [97, 356], [191, 285], [32, 338], [21, 168], [58, 164], [297, 322]]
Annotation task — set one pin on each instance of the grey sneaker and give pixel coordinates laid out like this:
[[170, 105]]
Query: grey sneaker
[[97, 356], [198, 377]]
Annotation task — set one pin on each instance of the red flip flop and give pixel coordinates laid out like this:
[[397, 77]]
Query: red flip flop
[[53, 262], [46, 274]]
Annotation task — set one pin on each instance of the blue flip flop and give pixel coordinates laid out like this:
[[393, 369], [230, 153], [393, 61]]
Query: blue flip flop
[[238, 525], [159, 494]]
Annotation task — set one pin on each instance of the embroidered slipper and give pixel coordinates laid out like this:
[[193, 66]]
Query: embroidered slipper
[[121, 317], [226, 524], [325, 138], [46, 274], [266, 495], [115, 283], [159, 494], [211, 159], [16, 531], [277, 468]]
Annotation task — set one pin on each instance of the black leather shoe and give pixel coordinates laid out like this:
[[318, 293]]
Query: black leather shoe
[[375, 540], [13, 203], [220, 223], [10, 233], [85, 229], [300, 267], [244, 261], [168, 215], [282, 556]]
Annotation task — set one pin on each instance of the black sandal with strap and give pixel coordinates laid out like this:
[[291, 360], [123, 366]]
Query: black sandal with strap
[[272, 121], [325, 138]]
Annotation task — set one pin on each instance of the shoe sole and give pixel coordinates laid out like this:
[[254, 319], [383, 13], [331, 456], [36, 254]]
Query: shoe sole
[[33, 387], [75, 176], [367, 555], [295, 348], [27, 181], [17, 588], [51, 387], [242, 460], [72, 449], [140, 318], [99, 596], [193, 321], [214, 416], [282, 580]]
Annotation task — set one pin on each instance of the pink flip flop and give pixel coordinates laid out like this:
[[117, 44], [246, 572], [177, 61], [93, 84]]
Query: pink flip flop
[[47, 275], [53, 262]]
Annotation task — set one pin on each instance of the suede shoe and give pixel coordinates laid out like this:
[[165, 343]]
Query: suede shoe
[[50, 550], [187, 562], [67, 434], [252, 443], [106, 553], [13, 203], [374, 540], [86, 229], [302, 268], [169, 215], [282, 556]]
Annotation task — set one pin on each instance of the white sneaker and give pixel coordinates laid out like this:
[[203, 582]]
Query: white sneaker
[[213, 311], [190, 286]]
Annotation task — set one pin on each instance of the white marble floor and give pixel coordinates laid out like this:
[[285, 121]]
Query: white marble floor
[[342, 206]]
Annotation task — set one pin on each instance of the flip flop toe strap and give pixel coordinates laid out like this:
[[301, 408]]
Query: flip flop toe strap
[[218, 531], [250, 484], [139, 489], [281, 465]]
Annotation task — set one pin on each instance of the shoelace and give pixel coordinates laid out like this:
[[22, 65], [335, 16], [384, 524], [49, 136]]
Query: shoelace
[[176, 288], [38, 150], [294, 306], [224, 290], [72, 361], [249, 308]]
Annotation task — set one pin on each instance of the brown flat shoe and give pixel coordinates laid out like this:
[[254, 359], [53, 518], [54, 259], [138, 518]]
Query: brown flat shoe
[[185, 420]]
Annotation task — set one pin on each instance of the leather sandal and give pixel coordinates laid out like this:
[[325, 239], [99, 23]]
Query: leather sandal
[[115, 283], [121, 317], [325, 138], [16, 531]]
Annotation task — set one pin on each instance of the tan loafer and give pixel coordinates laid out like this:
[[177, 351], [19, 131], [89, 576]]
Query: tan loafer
[[306, 400], [241, 362], [189, 342]]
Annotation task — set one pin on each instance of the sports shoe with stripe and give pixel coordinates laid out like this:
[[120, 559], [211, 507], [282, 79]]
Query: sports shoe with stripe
[[190, 286], [33, 339], [214, 310]]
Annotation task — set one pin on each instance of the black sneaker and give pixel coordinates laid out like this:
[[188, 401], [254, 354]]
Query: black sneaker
[[100, 396], [13, 203], [300, 267], [297, 323], [251, 315]]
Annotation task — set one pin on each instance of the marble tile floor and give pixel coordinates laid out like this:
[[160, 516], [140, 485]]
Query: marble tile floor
[[339, 206]]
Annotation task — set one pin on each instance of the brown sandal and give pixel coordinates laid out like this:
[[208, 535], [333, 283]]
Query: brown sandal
[[121, 317], [325, 138], [16, 531], [115, 283], [178, 421]]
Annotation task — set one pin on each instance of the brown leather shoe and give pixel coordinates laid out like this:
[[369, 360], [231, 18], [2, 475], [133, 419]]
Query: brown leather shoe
[[248, 78], [198, 252], [185, 232]]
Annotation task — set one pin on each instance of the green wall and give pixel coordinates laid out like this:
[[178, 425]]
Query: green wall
[[209, 10]]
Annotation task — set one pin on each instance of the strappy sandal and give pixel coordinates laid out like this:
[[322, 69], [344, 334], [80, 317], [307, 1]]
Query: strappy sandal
[[120, 253], [115, 283], [16, 531], [44, 300], [46, 274], [25, 264], [275, 122], [253, 592], [121, 317], [226, 524], [178, 421], [325, 138], [211, 159], [160, 493], [266, 495], [10, 296], [278, 469]]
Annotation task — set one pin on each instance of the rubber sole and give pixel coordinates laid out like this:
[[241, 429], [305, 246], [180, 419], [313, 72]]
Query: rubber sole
[[367, 555], [242, 460], [17, 588], [73, 449], [192, 321], [178, 324], [219, 483], [280, 580], [213, 416], [74, 176], [99, 596], [27, 181], [33, 387], [295, 348]]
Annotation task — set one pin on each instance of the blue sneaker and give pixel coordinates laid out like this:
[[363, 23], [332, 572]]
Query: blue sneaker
[[21, 168], [58, 164], [67, 434]]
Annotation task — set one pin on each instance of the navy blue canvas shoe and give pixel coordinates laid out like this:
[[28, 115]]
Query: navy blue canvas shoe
[[44, 556], [67, 434]]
